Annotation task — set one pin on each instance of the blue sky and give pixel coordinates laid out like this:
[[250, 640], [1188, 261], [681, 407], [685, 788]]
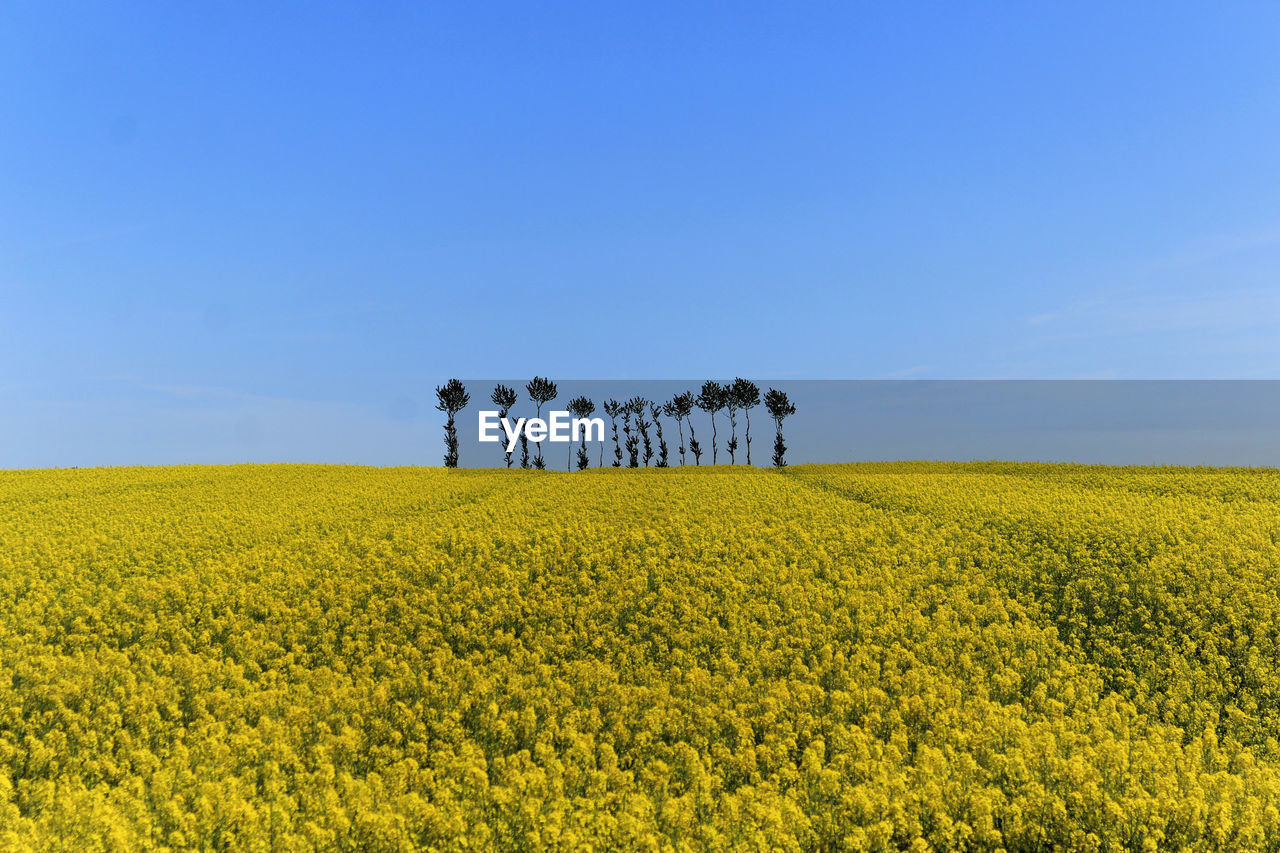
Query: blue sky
[[237, 231]]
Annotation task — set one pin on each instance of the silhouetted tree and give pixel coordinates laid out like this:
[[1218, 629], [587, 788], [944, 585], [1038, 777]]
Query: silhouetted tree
[[613, 408], [731, 403], [451, 398], [631, 441], [680, 407], [662, 442], [541, 391], [581, 407], [640, 408], [779, 408], [504, 398], [669, 409], [711, 399], [747, 396]]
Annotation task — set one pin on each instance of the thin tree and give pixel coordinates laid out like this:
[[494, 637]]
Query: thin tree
[[747, 395], [683, 404], [581, 407], [711, 399], [731, 403], [669, 409], [524, 449], [779, 408], [541, 391], [451, 398], [631, 441], [640, 408], [613, 408], [662, 442], [568, 456], [504, 398]]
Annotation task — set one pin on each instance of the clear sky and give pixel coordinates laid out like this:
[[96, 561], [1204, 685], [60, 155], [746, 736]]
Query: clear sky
[[265, 231]]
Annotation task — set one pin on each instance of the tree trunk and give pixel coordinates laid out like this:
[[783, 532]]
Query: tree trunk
[[713, 438]]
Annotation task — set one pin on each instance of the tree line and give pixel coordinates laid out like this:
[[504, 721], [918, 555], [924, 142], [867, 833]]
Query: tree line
[[641, 422]]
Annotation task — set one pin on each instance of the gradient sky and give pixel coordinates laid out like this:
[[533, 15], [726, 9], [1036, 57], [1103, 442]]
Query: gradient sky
[[265, 231]]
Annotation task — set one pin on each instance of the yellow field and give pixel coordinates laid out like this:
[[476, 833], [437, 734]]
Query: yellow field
[[909, 656]]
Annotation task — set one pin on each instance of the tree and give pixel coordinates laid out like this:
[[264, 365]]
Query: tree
[[504, 398], [669, 409], [451, 398], [662, 442], [524, 449], [747, 396], [613, 408], [682, 410], [711, 399], [779, 408], [731, 403], [581, 407], [640, 408], [541, 391], [631, 441]]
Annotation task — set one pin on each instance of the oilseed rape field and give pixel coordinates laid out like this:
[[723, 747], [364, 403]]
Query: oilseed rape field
[[907, 656]]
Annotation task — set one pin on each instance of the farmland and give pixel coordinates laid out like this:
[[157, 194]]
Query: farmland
[[866, 657]]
